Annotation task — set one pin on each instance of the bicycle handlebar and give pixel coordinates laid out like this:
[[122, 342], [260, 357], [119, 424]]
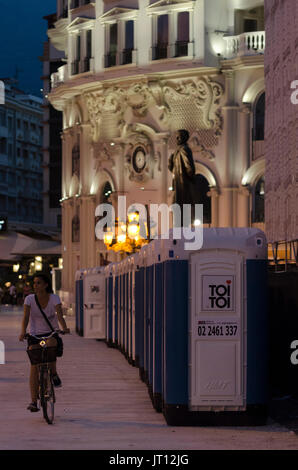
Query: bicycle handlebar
[[60, 332]]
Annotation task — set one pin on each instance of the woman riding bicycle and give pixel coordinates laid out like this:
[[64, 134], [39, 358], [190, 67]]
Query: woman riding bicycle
[[51, 305]]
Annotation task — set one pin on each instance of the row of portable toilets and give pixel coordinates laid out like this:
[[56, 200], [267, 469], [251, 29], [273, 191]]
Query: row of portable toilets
[[193, 321]]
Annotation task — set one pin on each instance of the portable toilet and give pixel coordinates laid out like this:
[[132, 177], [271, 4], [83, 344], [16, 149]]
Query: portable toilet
[[215, 340], [94, 303], [79, 308]]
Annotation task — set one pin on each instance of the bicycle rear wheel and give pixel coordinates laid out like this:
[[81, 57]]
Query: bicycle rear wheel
[[47, 394]]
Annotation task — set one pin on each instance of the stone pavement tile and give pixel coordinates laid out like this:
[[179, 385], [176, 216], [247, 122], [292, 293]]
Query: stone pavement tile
[[104, 405]]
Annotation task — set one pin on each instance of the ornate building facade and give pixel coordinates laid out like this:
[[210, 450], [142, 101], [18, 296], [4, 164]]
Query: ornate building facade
[[137, 71]]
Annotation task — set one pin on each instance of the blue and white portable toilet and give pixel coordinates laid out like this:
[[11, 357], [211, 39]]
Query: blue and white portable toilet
[[94, 303], [227, 329], [79, 307], [115, 301], [109, 286], [140, 313], [134, 267]]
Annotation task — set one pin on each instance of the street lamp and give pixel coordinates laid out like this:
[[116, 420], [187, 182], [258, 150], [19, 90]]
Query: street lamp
[[127, 238]]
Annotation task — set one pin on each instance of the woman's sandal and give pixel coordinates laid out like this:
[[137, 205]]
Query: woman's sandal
[[33, 407]]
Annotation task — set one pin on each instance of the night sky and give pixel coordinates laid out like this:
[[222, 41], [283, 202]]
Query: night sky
[[22, 34]]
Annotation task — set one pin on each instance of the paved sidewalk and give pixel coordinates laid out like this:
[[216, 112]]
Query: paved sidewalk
[[103, 405]]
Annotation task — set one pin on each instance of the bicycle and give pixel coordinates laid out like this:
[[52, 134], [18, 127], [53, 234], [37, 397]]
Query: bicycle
[[42, 354]]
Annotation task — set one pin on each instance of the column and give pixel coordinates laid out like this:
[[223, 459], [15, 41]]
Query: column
[[190, 52], [243, 207], [213, 193], [172, 33], [85, 159], [244, 142], [121, 41]]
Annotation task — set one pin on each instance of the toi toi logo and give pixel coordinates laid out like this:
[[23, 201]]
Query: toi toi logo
[[2, 353]]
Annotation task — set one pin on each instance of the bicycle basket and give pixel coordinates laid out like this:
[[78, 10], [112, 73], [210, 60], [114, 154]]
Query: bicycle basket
[[35, 354]]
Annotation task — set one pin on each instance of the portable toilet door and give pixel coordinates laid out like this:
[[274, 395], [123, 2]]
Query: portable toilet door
[[109, 303], [115, 304], [79, 309], [94, 304], [134, 267], [228, 328]]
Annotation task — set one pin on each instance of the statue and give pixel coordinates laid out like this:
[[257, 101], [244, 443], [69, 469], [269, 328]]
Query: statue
[[182, 166]]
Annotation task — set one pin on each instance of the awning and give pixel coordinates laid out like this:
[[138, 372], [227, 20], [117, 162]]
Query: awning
[[29, 246], [14, 245], [7, 243]]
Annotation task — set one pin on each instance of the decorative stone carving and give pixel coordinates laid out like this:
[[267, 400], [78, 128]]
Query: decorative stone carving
[[199, 148], [139, 97], [103, 153], [205, 93]]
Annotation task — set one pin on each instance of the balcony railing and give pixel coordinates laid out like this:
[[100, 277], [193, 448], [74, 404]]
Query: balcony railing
[[85, 65], [79, 3], [181, 48], [59, 77], [75, 67], [127, 56], [110, 59], [245, 44], [160, 51]]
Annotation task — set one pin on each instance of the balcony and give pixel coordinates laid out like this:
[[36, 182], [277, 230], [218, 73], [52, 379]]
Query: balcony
[[160, 51], [85, 65], [181, 48], [127, 56], [59, 77], [110, 59], [75, 67], [245, 44]]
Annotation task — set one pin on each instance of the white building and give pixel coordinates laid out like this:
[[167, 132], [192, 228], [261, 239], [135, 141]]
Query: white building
[[138, 70]]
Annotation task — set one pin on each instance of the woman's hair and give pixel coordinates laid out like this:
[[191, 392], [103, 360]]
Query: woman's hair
[[46, 279]]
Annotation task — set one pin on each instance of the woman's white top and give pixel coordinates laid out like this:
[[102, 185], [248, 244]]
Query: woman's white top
[[37, 324]]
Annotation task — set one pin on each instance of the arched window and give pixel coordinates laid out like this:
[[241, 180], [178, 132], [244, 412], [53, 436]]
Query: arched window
[[259, 118], [76, 160], [202, 188], [258, 213], [106, 193], [76, 229]]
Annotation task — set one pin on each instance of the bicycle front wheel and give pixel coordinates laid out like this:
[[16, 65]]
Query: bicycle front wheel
[[47, 394]]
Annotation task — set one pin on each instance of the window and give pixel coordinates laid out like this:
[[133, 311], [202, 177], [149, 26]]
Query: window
[[19, 124], [76, 229], [182, 34], [201, 197], [10, 124], [76, 159], [129, 42], [86, 62], [2, 118], [259, 118], [3, 145], [258, 213], [161, 48], [111, 57]]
